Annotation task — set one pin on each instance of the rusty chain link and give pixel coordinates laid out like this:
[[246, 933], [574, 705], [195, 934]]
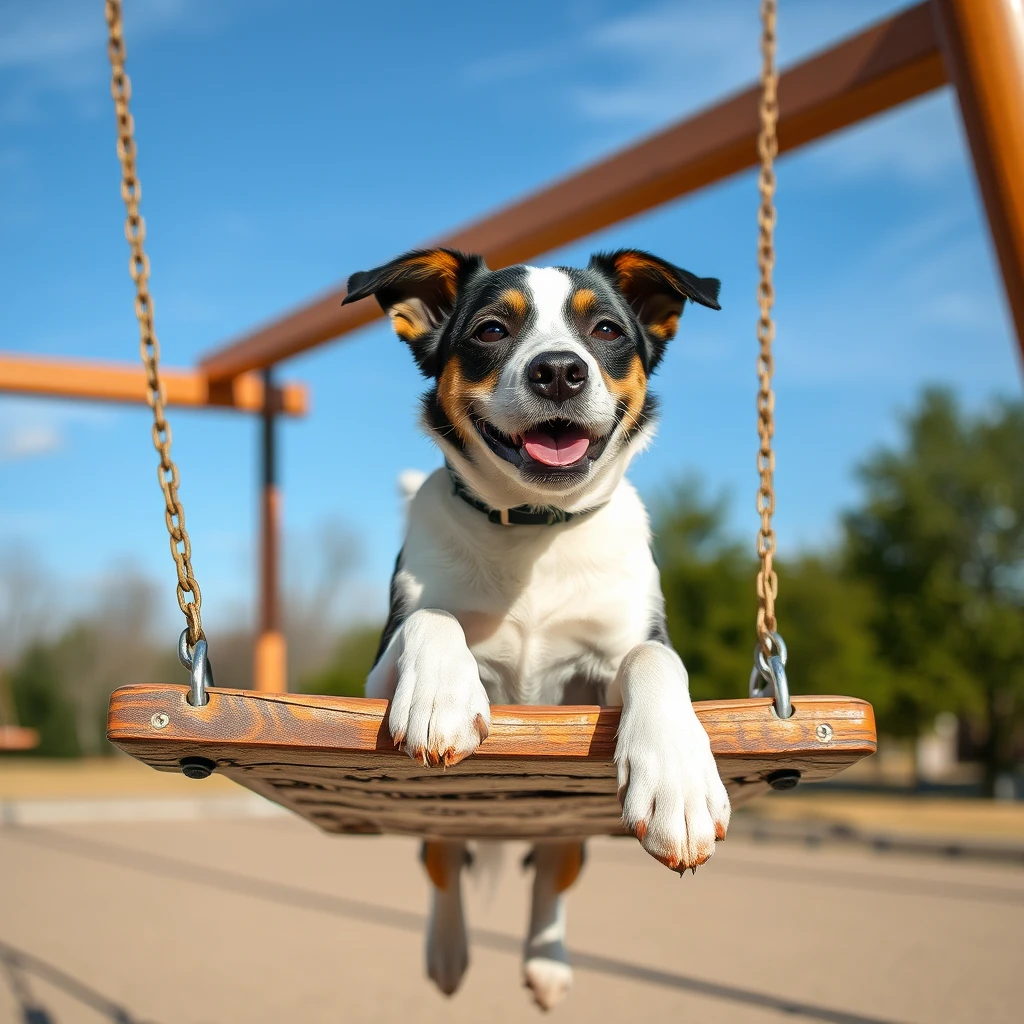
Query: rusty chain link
[[135, 232], [767, 147]]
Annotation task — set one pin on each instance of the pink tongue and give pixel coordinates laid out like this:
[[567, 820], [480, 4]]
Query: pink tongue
[[569, 447]]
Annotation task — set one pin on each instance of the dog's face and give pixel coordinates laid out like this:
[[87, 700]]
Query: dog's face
[[540, 375]]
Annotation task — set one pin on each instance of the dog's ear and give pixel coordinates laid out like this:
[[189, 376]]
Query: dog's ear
[[418, 291], [656, 290]]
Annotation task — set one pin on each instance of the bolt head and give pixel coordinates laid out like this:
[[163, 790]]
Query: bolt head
[[197, 767], [783, 779], [823, 733], [160, 720]]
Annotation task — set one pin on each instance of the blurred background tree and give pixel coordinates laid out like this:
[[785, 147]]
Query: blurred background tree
[[920, 607], [39, 695], [350, 663], [707, 578], [940, 539]]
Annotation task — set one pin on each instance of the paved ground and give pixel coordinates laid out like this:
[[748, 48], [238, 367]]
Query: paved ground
[[265, 920]]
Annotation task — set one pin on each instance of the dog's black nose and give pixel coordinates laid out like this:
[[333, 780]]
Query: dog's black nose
[[557, 375]]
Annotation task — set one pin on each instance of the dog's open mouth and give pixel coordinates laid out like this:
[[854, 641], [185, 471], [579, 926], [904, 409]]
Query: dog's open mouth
[[555, 446]]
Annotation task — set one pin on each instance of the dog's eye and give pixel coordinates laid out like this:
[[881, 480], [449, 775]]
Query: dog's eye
[[490, 331], [606, 331]]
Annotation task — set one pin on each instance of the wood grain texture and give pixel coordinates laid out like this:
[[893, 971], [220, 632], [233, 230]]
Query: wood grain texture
[[543, 771]]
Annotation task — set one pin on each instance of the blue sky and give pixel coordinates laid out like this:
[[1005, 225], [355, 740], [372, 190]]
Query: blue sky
[[284, 145]]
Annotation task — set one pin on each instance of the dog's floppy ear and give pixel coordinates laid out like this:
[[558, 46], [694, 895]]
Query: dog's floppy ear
[[656, 290], [418, 292]]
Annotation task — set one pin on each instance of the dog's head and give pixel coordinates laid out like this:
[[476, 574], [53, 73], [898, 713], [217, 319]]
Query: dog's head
[[539, 376]]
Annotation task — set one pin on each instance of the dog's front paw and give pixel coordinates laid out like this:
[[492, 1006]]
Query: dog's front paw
[[672, 797], [440, 712]]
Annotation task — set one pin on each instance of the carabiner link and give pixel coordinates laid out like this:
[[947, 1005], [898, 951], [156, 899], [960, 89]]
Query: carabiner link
[[768, 676], [197, 661]]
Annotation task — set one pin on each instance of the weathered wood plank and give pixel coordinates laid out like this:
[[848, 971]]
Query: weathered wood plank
[[542, 771]]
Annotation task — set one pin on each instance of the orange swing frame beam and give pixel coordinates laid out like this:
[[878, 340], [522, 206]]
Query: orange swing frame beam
[[979, 47], [889, 63], [103, 381]]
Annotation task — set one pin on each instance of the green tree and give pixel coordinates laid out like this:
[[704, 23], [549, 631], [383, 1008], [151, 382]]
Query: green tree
[[940, 538], [41, 702], [708, 582], [708, 579], [345, 674], [825, 616]]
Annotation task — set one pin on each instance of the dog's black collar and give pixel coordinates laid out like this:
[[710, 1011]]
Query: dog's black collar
[[521, 515]]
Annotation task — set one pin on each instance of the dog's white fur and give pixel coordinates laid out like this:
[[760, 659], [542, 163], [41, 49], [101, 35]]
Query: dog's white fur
[[538, 607], [537, 615]]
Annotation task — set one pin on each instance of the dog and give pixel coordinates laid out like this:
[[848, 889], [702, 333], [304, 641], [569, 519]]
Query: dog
[[526, 575]]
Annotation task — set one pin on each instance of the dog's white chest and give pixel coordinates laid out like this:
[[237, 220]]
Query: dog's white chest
[[573, 623], [542, 608]]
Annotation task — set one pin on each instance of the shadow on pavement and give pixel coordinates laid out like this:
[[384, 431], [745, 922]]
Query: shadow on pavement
[[392, 917], [809, 874], [17, 964]]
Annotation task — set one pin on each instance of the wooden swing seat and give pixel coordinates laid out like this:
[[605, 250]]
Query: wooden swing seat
[[542, 771]]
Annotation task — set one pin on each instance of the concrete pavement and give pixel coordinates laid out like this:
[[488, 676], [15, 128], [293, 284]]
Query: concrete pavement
[[265, 920]]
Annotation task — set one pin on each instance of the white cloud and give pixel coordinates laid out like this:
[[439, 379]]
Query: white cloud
[[59, 46], [636, 71], [30, 441], [33, 428], [678, 57], [923, 296], [918, 142], [47, 32], [673, 61]]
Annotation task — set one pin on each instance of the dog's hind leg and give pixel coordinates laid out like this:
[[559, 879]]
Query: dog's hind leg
[[545, 961], [447, 948]]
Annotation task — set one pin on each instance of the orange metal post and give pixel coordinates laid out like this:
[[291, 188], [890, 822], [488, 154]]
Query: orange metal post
[[101, 381], [271, 654], [983, 43]]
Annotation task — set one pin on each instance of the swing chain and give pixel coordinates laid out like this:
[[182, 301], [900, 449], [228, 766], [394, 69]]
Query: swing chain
[[768, 147], [135, 232], [768, 676]]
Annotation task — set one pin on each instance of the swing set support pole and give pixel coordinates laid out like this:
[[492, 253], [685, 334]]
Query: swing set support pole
[[983, 45], [270, 658]]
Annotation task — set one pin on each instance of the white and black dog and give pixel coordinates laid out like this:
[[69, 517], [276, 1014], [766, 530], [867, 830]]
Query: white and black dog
[[526, 576]]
